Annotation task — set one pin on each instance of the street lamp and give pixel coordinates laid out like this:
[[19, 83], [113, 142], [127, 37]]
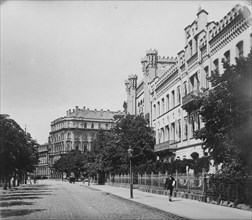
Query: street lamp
[[130, 150], [88, 174]]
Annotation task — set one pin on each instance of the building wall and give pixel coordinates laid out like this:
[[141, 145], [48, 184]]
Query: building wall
[[42, 169], [77, 130], [170, 87]]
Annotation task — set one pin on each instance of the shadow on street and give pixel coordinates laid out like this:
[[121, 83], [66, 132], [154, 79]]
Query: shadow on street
[[15, 199]]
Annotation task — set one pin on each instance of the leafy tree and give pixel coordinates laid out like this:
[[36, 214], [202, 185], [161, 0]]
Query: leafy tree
[[110, 149], [226, 113], [75, 161], [18, 154], [133, 131]]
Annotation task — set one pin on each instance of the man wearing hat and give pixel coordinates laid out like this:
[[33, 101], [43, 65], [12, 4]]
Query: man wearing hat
[[169, 185]]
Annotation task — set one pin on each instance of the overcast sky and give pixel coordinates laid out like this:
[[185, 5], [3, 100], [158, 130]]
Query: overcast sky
[[56, 55]]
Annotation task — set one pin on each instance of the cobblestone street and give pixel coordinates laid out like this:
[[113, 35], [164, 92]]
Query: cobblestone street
[[62, 200]]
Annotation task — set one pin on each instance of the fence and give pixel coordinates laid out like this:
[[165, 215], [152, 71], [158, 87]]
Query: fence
[[192, 186], [184, 182]]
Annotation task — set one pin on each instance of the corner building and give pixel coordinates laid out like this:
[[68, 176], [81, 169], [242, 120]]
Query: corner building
[[77, 130], [169, 84]]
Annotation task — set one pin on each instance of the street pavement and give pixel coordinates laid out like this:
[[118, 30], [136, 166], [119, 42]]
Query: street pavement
[[190, 209], [50, 199]]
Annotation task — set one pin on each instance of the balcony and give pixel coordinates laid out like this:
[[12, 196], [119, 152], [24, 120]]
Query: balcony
[[167, 145], [189, 97]]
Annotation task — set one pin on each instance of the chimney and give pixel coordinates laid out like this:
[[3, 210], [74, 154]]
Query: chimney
[[84, 108], [73, 110], [76, 108], [88, 109], [69, 111]]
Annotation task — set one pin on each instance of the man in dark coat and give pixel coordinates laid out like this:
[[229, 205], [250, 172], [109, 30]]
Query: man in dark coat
[[169, 185]]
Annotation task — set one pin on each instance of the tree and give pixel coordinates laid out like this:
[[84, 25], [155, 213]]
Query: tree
[[226, 113], [18, 154], [110, 149], [133, 131]]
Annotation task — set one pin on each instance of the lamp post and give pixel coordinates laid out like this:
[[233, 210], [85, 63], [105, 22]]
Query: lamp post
[[131, 180], [88, 174]]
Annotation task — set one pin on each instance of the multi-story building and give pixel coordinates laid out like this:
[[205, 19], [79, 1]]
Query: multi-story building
[[78, 129], [42, 169], [169, 84]]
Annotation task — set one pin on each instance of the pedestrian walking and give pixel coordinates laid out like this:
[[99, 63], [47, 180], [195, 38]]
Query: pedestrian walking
[[169, 185]]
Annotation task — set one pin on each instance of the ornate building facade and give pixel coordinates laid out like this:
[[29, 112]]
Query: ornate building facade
[[42, 169], [169, 84], [77, 130]]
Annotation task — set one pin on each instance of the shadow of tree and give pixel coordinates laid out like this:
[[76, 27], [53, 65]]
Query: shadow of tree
[[19, 198], [23, 194], [13, 203], [18, 212]]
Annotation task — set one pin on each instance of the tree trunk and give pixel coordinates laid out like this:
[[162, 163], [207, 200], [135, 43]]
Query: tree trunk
[[5, 182], [25, 178], [9, 181], [14, 179], [18, 178]]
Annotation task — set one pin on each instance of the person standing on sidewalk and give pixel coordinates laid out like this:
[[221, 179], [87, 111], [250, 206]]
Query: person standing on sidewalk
[[169, 185]]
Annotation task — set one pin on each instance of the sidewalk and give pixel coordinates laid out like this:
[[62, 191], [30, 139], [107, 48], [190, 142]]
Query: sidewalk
[[186, 208]]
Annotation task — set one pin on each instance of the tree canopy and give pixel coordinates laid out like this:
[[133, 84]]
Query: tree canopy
[[110, 149], [226, 112], [18, 151]]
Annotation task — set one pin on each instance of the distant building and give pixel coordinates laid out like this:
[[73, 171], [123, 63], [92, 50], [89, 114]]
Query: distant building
[[169, 84], [77, 130], [42, 169]]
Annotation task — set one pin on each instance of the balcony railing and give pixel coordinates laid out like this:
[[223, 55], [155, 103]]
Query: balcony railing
[[167, 145], [189, 97]]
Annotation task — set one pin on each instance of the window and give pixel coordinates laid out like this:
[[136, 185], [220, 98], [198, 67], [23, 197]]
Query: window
[[167, 133], [216, 64], [173, 99], [158, 109], [92, 125], [173, 131], [194, 82], [178, 94], [106, 126], [99, 125], [85, 125], [85, 147], [190, 49], [162, 106], [206, 81], [159, 136], [198, 121], [178, 130], [192, 125], [227, 56], [185, 129], [239, 49], [185, 88], [167, 102], [154, 111], [162, 135]]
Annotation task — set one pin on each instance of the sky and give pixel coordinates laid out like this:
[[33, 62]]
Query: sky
[[56, 55]]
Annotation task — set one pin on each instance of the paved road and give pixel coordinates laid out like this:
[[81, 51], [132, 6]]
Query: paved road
[[62, 200]]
